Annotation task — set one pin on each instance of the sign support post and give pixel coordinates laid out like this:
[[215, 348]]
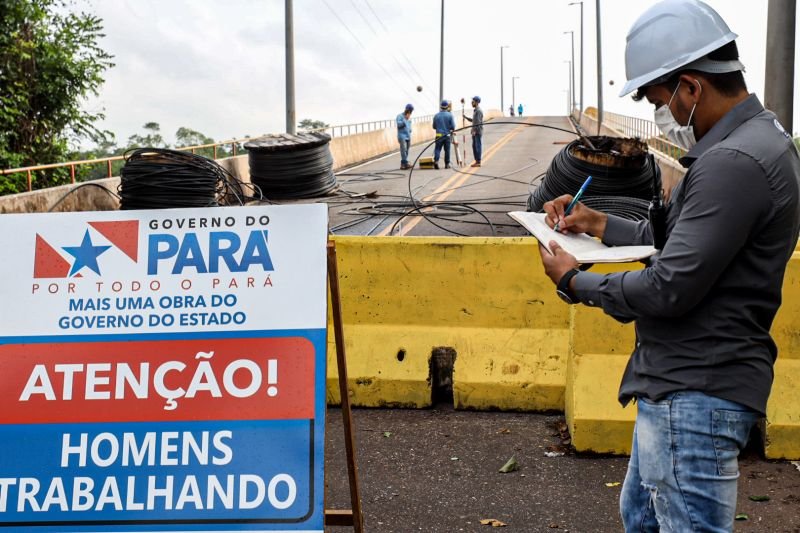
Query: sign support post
[[354, 516]]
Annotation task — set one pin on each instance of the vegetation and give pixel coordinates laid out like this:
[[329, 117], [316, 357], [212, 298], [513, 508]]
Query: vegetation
[[50, 63], [309, 124]]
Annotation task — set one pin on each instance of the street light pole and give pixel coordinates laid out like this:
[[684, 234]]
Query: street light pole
[[572, 68], [599, 69], [502, 108], [514, 92], [778, 89], [441, 59], [581, 4], [569, 85], [291, 118]]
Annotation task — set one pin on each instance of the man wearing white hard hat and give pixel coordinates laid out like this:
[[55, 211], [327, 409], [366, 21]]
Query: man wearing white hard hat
[[702, 367]]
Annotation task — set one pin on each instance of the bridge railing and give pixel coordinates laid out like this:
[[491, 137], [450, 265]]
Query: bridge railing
[[366, 127], [231, 147], [644, 129]]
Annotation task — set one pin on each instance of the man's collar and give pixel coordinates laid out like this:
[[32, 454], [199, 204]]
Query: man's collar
[[739, 114]]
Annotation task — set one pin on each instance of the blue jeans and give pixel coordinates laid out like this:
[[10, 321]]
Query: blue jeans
[[684, 464], [442, 142], [404, 144], [477, 147]]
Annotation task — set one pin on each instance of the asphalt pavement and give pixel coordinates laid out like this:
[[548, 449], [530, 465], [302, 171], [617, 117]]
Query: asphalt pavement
[[436, 470], [377, 198]]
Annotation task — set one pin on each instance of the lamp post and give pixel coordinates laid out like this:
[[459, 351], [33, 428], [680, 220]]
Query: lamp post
[[289, 35], [599, 69], [514, 92], [569, 85], [502, 109], [441, 59], [580, 4], [572, 68]]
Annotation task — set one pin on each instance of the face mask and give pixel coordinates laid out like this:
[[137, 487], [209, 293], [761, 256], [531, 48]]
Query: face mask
[[682, 136]]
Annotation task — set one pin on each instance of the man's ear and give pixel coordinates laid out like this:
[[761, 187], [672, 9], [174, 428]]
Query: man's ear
[[694, 83]]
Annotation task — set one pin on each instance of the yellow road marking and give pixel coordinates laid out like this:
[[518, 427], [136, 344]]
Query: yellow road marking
[[455, 181]]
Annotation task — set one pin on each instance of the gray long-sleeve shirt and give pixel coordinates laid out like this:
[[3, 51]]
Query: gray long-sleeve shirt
[[477, 121], [704, 306]]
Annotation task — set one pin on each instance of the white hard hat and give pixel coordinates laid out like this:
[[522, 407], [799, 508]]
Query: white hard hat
[[671, 35]]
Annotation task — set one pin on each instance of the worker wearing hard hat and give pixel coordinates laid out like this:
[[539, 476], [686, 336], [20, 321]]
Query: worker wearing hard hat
[[702, 367], [444, 124], [477, 130], [404, 135]]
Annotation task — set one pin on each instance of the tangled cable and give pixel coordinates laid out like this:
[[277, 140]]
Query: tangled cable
[[160, 178], [419, 206], [292, 166], [623, 190]]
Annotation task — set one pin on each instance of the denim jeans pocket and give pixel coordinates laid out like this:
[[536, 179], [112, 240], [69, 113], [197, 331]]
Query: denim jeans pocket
[[730, 430]]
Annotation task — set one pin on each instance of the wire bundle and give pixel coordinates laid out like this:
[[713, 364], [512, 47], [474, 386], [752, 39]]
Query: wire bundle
[[160, 178], [292, 166], [620, 191]]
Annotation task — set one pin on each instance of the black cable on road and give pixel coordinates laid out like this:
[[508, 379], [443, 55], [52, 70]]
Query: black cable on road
[[418, 206]]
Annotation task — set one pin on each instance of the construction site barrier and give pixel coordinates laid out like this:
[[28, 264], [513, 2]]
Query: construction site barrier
[[486, 304]]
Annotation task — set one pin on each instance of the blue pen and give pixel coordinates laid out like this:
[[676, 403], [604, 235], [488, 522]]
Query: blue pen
[[575, 199]]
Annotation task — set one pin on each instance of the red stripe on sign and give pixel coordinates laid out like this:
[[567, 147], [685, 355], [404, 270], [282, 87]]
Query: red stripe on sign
[[212, 379]]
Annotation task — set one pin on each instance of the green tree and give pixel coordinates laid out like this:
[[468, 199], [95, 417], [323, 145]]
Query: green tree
[[151, 139], [189, 137], [50, 63], [309, 124]]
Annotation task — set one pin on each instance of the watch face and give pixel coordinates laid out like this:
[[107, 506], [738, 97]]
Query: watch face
[[564, 296]]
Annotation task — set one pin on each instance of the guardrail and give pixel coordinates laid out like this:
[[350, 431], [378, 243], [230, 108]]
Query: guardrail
[[365, 127], [644, 129], [235, 146]]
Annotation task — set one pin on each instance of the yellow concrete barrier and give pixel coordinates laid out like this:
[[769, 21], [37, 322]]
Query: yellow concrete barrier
[[782, 439], [517, 346], [600, 350], [486, 298]]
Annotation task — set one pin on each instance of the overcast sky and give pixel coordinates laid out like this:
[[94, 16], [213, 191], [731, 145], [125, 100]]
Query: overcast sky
[[218, 66]]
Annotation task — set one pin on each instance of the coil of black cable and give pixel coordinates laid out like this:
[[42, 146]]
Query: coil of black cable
[[622, 206], [289, 166], [627, 182], [160, 178]]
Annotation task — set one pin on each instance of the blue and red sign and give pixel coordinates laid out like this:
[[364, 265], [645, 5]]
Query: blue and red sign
[[163, 370]]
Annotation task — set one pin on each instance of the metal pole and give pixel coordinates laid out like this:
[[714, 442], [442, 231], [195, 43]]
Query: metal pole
[[502, 105], [291, 119], [572, 69], [599, 69], [779, 75], [441, 59], [569, 86], [581, 4]]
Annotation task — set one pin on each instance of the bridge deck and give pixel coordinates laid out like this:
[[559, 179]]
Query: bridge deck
[[374, 196]]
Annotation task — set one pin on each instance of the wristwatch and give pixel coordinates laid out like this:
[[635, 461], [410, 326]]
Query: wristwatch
[[562, 289]]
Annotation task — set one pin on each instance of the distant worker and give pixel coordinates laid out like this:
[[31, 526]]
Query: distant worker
[[477, 130], [519, 110], [444, 124], [404, 135], [511, 110]]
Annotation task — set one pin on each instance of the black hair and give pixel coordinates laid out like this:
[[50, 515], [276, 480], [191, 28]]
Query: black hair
[[727, 84]]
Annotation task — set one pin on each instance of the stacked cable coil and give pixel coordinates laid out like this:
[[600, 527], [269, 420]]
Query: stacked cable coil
[[159, 178], [621, 185], [289, 166]]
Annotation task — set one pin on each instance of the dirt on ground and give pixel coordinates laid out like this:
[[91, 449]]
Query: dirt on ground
[[437, 470]]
